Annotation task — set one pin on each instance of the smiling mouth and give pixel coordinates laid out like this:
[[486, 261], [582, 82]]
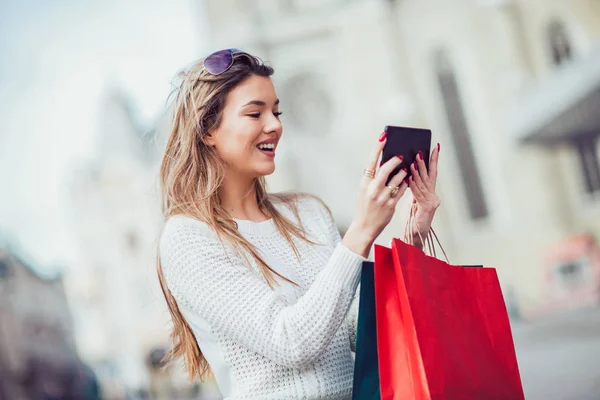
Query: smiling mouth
[[267, 147]]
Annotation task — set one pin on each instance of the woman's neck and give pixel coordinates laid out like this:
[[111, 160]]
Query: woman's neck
[[238, 198]]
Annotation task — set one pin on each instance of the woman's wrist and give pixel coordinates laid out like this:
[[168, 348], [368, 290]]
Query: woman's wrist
[[358, 240]]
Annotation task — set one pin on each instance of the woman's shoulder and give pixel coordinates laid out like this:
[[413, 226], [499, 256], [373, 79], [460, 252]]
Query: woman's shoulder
[[175, 223], [179, 229]]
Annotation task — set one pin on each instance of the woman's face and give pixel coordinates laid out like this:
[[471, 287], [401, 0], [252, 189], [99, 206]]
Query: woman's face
[[250, 128]]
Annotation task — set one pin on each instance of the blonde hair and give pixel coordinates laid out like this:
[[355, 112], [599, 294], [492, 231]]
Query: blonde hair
[[190, 175]]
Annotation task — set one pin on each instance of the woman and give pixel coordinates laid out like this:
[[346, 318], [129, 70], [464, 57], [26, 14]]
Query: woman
[[259, 286]]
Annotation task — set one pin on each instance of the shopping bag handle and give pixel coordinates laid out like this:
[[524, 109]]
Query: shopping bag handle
[[413, 226]]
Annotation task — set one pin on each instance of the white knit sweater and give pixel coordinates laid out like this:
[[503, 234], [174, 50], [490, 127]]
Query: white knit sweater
[[289, 342]]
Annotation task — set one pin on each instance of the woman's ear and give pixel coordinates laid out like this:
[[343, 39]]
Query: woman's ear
[[209, 139]]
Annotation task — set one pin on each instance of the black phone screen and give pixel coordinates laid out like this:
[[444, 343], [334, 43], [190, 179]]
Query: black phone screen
[[406, 142]]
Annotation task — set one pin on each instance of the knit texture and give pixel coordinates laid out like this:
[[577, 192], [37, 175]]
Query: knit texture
[[289, 342]]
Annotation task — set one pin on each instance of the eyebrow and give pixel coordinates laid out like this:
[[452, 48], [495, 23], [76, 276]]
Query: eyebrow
[[259, 103]]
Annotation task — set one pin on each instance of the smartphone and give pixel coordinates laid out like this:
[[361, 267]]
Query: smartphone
[[406, 142]]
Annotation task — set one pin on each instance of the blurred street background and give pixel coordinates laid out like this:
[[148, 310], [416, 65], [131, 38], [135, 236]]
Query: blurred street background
[[510, 88]]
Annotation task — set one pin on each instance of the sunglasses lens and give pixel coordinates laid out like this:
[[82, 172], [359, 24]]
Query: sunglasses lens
[[218, 62]]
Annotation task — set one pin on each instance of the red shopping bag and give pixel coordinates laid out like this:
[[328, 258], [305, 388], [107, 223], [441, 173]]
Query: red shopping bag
[[443, 331], [395, 379]]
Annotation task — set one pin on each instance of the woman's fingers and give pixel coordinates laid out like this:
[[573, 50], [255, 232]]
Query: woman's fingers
[[376, 152], [415, 181], [385, 170], [401, 190], [400, 182], [373, 211], [415, 189], [433, 165], [420, 165], [419, 182], [398, 178], [374, 157]]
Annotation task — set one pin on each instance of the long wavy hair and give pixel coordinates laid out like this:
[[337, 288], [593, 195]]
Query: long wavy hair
[[190, 176]]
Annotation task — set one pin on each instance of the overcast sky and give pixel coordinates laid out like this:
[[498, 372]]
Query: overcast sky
[[57, 59]]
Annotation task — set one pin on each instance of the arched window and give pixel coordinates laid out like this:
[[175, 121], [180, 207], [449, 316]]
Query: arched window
[[560, 46], [461, 137]]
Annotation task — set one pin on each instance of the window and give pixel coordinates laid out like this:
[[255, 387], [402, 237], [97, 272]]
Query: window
[[560, 46], [461, 137], [572, 274], [156, 358], [132, 242], [4, 269], [588, 160]]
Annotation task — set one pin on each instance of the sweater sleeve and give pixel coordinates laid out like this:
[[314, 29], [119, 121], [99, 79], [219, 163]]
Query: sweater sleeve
[[335, 238], [219, 286], [352, 320]]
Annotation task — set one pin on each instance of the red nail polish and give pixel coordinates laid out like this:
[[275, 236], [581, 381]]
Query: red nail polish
[[382, 137], [400, 157], [420, 155], [405, 170], [438, 147]]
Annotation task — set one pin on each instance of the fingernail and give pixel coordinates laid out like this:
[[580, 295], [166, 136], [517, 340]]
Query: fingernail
[[400, 157], [382, 137], [420, 155], [405, 170], [438, 147]]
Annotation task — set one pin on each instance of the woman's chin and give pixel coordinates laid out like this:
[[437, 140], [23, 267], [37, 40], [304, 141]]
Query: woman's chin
[[267, 170]]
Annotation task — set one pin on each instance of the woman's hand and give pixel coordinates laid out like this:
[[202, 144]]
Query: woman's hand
[[422, 185], [376, 202]]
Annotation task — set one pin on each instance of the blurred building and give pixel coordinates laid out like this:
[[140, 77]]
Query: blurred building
[[37, 350], [510, 88], [121, 320], [119, 315]]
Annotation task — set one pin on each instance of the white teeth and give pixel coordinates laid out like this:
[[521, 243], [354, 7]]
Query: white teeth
[[266, 146]]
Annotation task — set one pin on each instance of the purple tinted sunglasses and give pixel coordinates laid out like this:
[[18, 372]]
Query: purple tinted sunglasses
[[220, 61]]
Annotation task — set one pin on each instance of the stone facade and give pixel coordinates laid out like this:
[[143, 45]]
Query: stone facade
[[119, 316], [463, 68], [37, 348]]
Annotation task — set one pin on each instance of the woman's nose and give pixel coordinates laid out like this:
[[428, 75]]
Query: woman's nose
[[273, 125]]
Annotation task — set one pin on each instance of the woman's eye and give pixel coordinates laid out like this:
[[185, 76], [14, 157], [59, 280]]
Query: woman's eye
[[278, 113], [254, 115]]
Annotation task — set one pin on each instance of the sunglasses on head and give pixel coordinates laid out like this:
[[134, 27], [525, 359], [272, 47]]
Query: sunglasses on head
[[220, 61]]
